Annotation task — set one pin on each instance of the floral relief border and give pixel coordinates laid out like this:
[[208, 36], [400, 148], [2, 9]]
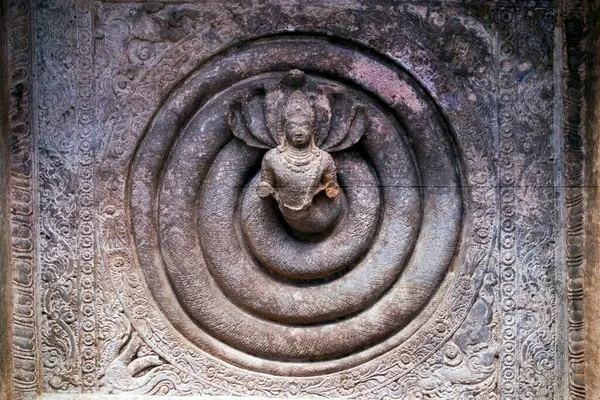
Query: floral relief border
[[86, 287]]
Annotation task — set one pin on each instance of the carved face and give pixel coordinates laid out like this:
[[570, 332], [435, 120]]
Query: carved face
[[299, 130]]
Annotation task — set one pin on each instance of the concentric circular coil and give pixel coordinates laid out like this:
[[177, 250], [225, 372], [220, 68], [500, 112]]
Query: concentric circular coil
[[246, 279]]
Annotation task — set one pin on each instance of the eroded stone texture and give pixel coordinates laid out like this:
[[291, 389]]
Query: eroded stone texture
[[320, 199], [5, 297], [587, 365]]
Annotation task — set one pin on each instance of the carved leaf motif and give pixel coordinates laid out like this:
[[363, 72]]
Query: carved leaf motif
[[124, 373]]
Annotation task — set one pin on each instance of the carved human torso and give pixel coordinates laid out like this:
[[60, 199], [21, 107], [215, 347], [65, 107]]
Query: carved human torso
[[297, 177], [296, 170]]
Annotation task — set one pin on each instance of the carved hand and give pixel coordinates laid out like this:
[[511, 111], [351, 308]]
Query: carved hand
[[265, 190], [332, 190]]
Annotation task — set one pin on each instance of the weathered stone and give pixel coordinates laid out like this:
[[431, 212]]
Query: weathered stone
[[281, 199]]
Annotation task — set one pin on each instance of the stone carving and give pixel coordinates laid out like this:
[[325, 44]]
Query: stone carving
[[219, 224], [370, 227], [243, 160], [508, 251], [297, 170], [574, 179], [86, 226], [124, 371], [23, 264], [538, 275]]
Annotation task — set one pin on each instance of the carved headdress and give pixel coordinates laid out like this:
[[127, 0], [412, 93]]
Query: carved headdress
[[298, 106], [258, 119]]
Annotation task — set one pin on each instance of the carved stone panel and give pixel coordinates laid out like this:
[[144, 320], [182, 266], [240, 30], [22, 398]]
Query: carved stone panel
[[314, 199]]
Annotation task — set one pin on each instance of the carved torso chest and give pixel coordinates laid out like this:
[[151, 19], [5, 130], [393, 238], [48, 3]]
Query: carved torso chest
[[297, 179]]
